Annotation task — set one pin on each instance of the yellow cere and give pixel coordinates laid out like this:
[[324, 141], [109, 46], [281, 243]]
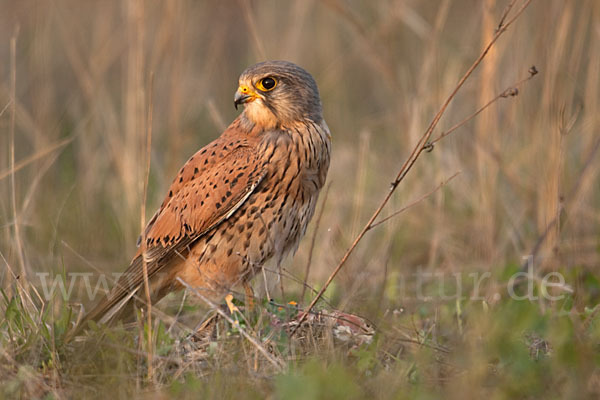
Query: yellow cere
[[245, 90]]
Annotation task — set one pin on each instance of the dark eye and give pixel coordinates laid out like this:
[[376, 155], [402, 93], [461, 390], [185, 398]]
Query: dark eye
[[266, 84]]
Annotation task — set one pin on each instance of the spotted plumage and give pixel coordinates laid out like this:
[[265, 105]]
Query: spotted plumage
[[241, 200]]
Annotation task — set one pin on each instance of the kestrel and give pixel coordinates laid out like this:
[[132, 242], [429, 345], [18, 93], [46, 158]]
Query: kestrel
[[241, 200]]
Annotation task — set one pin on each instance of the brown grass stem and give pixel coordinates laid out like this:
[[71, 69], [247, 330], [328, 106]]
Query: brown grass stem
[[34, 157], [313, 241], [564, 204], [417, 201], [259, 48], [511, 91], [143, 224], [13, 112]]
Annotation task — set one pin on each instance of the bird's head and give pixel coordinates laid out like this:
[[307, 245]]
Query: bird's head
[[278, 93]]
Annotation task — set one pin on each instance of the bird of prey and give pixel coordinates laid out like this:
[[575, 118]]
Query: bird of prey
[[241, 200]]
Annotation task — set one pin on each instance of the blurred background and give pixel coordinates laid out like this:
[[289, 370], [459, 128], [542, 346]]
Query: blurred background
[[81, 71]]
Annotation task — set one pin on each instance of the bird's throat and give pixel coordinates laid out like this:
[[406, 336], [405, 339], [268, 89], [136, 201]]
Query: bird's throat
[[261, 116]]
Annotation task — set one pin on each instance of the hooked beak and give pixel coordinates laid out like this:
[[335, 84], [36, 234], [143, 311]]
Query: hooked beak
[[243, 95]]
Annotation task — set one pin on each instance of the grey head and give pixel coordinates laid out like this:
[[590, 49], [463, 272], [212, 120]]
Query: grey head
[[278, 93]]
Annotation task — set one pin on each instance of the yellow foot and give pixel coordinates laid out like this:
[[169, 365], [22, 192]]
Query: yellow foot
[[232, 307]]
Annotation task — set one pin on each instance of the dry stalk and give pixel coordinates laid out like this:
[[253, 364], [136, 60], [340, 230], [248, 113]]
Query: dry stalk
[[143, 226], [259, 47], [276, 362], [511, 91], [572, 196], [42, 153], [417, 201], [422, 145], [13, 95], [313, 242]]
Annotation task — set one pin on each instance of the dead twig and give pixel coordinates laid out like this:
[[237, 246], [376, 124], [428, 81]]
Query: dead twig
[[421, 146], [40, 154], [276, 362], [313, 242], [24, 283], [511, 91], [417, 201], [143, 226]]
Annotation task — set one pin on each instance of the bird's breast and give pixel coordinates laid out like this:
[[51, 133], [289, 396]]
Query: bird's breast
[[273, 219], [297, 161]]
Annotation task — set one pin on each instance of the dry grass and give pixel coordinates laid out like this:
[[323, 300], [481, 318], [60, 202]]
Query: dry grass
[[74, 94]]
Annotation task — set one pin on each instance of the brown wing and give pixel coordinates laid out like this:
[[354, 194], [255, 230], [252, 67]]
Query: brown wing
[[208, 189], [209, 197]]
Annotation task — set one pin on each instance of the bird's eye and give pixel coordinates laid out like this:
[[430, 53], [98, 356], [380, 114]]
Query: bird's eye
[[266, 84]]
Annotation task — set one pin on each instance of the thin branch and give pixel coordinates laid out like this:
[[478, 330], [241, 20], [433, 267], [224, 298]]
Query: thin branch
[[511, 91], [420, 146], [5, 107], [409, 339], [414, 203], [505, 13], [25, 162], [276, 362], [313, 242]]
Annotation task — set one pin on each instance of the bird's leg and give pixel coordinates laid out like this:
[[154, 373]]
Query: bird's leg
[[249, 301]]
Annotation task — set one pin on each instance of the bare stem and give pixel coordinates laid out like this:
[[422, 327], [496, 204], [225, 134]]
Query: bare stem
[[42, 153], [13, 96], [143, 224], [414, 203], [312, 243], [511, 91]]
